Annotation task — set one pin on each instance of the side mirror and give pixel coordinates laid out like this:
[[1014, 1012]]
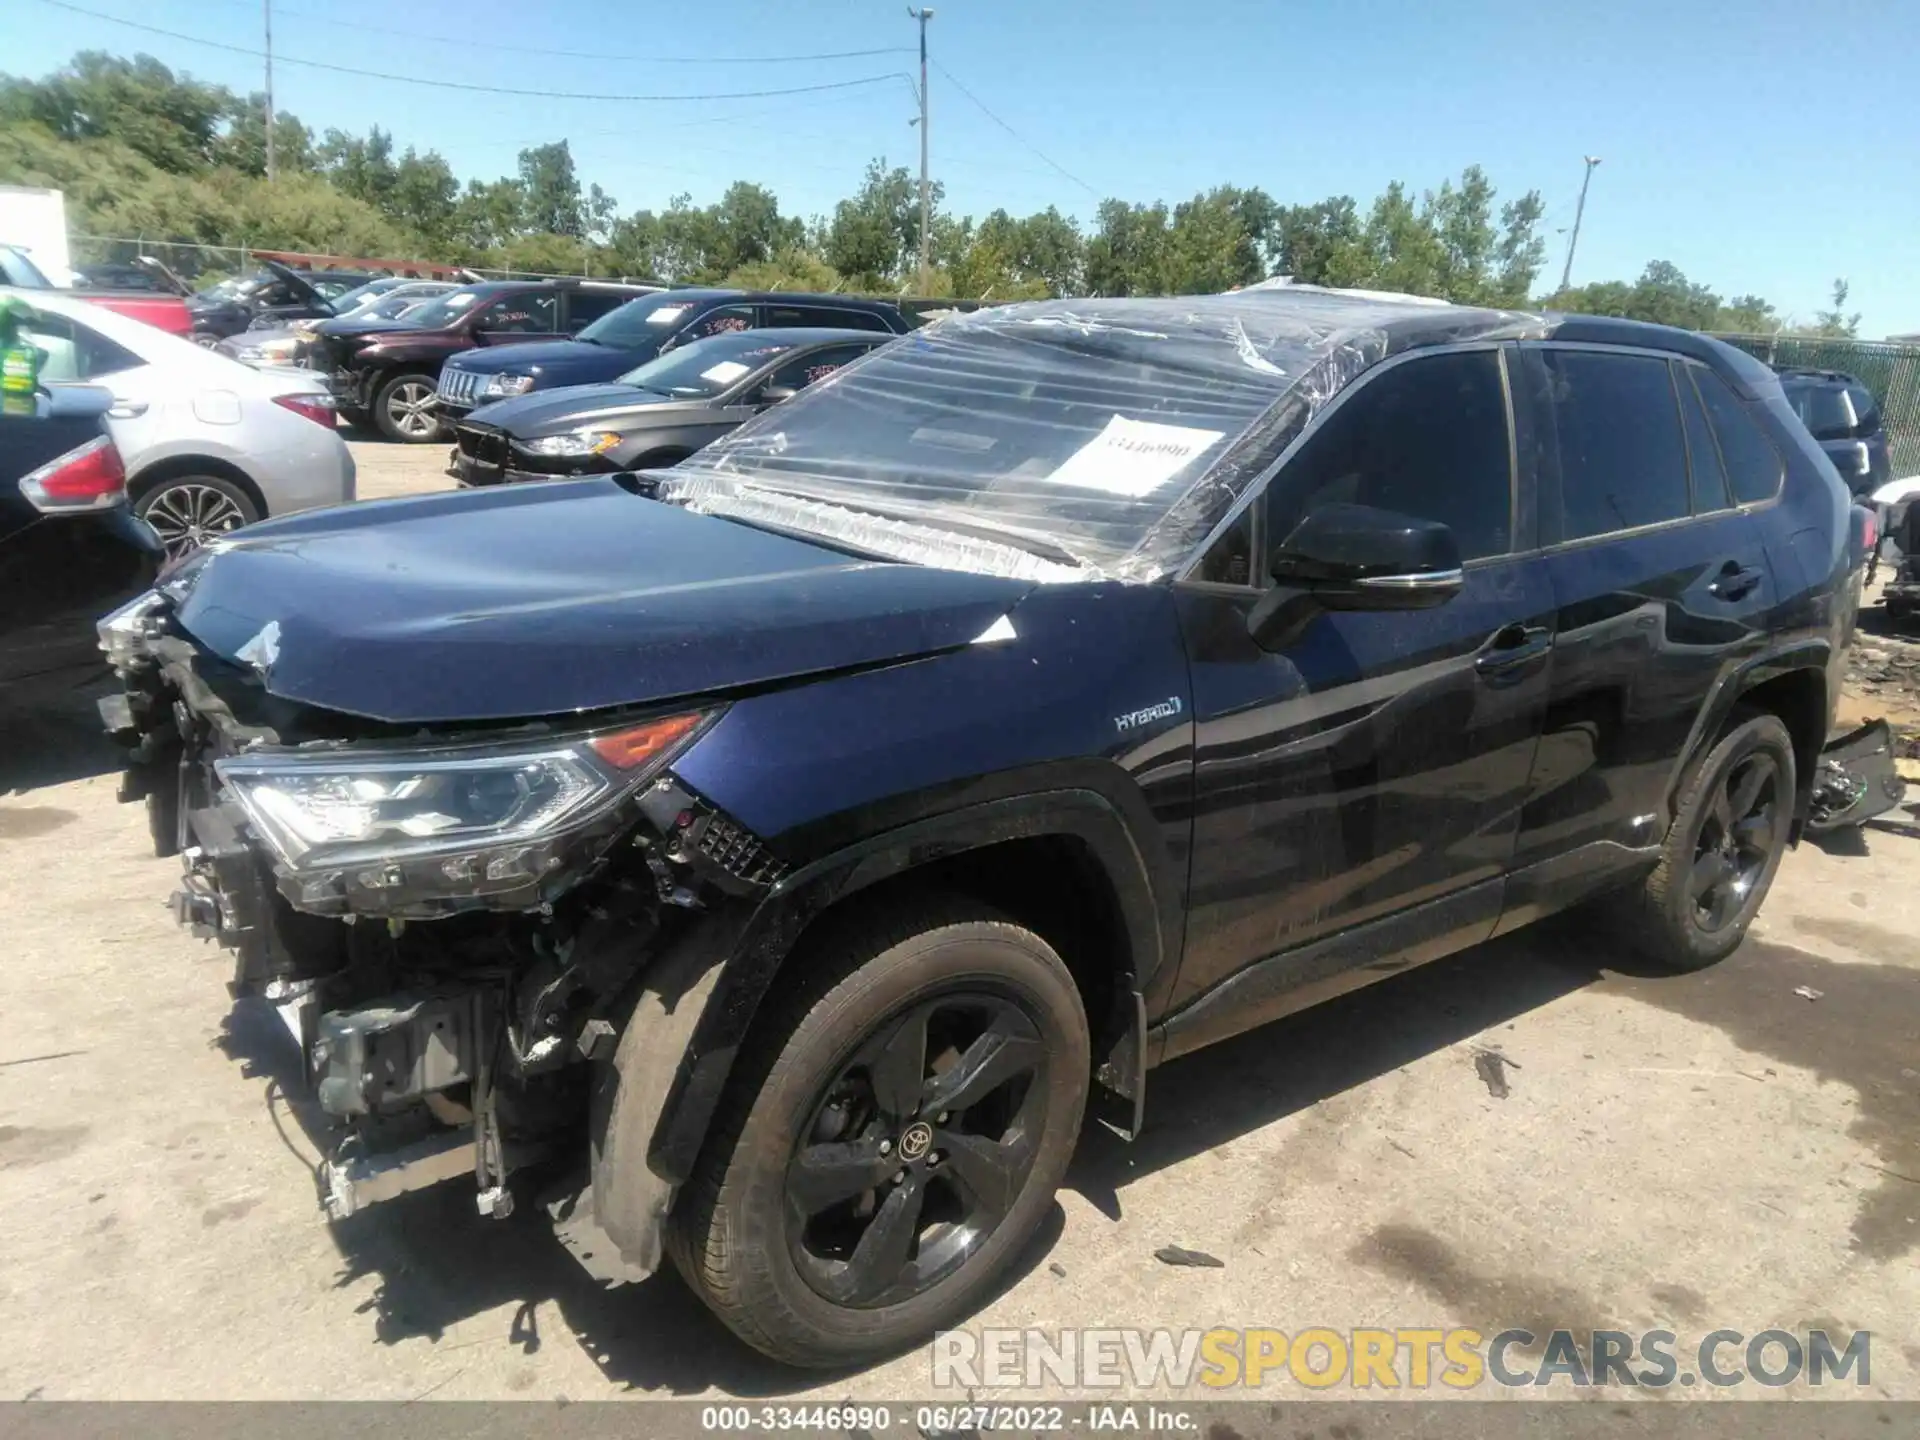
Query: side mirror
[[776, 394], [1357, 557]]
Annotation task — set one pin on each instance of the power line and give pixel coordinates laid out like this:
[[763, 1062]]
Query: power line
[[1009, 129], [462, 41], [462, 85]]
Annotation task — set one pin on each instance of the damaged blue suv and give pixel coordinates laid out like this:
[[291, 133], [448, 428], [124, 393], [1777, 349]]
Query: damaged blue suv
[[799, 843]]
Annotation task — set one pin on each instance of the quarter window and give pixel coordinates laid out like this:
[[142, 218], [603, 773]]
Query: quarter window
[[1753, 465], [1703, 455], [1623, 461], [586, 306], [1427, 438]]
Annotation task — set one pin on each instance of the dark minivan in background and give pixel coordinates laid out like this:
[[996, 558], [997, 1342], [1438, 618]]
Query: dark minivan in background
[[384, 373], [636, 333], [1841, 413]]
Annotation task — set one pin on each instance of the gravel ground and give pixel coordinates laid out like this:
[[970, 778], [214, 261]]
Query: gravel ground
[[1739, 1148]]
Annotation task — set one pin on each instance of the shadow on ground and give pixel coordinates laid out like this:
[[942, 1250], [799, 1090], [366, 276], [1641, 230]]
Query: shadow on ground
[[54, 740], [438, 1263]]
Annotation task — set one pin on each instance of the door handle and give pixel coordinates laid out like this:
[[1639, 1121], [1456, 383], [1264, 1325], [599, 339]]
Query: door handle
[[127, 410], [1512, 646], [1736, 582]]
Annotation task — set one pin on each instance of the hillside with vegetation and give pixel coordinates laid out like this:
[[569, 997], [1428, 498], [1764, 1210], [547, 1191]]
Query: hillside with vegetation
[[156, 157]]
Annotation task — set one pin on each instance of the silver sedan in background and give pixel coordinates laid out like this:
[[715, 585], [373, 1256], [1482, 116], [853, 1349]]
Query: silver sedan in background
[[209, 444]]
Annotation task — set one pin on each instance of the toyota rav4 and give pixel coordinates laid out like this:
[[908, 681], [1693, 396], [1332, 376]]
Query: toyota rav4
[[801, 841]]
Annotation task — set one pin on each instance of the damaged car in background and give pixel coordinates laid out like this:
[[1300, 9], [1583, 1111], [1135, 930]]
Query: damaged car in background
[[794, 846]]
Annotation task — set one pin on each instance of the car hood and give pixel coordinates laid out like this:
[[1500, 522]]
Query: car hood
[[341, 326], [554, 362], [548, 412], [540, 600]]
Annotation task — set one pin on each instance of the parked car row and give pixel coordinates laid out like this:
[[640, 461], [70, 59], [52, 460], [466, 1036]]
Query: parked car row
[[413, 378]]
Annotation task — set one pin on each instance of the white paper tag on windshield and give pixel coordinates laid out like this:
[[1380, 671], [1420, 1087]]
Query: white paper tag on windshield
[[725, 373], [666, 314], [1132, 457]]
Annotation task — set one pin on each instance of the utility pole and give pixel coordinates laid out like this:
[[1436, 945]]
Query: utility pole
[[266, 7], [926, 192], [1566, 275]]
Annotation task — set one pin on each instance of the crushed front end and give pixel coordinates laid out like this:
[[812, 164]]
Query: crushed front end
[[452, 920]]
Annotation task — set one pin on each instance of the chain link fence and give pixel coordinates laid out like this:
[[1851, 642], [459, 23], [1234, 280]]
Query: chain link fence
[[1890, 369]]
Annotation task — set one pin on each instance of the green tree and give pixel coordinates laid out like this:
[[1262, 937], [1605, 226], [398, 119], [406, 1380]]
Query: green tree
[[1129, 251], [553, 199], [361, 167], [1324, 243], [1835, 322], [171, 121], [874, 236], [425, 197]]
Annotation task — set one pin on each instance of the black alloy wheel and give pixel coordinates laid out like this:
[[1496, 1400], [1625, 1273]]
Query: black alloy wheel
[[1736, 842], [890, 1139], [917, 1150], [1731, 825]]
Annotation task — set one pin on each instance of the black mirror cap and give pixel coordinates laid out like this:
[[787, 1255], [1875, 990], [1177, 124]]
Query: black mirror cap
[[1360, 557]]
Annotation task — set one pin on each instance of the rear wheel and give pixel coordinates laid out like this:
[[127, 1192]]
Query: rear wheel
[[186, 511], [891, 1140], [404, 409], [1722, 850]]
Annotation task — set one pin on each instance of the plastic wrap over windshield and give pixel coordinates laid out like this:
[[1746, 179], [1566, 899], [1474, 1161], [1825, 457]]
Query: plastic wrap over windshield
[[1053, 440]]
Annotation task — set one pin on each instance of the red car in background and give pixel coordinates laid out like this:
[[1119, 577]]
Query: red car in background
[[156, 307]]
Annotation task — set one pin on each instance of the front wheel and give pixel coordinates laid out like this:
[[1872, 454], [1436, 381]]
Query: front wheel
[[405, 410], [892, 1138], [1727, 838]]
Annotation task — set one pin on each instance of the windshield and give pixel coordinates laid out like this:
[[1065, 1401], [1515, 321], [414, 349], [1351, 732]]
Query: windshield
[[1054, 439], [230, 288], [17, 269], [361, 294], [639, 324], [707, 367], [447, 308]]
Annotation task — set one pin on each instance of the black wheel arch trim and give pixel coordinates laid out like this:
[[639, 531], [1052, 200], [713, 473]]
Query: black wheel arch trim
[[755, 953], [1803, 656]]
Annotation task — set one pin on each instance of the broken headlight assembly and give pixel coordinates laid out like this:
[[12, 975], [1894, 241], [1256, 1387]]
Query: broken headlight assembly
[[433, 831]]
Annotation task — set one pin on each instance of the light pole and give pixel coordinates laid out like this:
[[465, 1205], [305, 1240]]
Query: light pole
[[266, 10], [1566, 275], [926, 205]]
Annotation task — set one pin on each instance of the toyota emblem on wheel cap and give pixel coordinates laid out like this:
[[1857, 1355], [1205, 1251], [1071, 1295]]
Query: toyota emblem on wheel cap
[[916, 1140]]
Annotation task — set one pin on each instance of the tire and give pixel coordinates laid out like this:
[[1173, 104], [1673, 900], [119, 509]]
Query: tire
[[205, 339], [186, 511], [403, 409], [1722, 849], [945, 970]]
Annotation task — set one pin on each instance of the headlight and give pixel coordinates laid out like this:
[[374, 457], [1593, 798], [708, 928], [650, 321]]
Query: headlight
[[509, 384], [578, 442], [269, 354], [448, 822]]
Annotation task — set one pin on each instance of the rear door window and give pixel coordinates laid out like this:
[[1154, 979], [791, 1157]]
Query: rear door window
[[1623, 455], [586, 306], [73, 352], [830, 316], [1754, 469]]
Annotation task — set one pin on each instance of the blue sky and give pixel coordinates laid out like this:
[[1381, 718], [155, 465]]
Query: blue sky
[[1764, 146]]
